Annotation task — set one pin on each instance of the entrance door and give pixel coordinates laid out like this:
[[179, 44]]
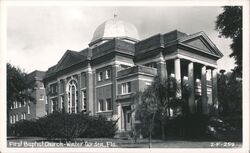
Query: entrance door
[[127, 119]]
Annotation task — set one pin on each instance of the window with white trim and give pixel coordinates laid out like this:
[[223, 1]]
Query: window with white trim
[[108, 74], [20, 104], [72, 90], [84, 100], [24, 116], [101, 105], [16, 104], [108, 104], [28, 109], [10, 119], [100, 76], [62, 101], [126, 87], [41, 86], [16, 117], [52, 105], [41, 97]]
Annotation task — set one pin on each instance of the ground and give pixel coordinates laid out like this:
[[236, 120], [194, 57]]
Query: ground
[[117, 143]]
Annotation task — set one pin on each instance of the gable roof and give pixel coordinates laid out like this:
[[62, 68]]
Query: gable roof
[[200, 41], [68, 59]]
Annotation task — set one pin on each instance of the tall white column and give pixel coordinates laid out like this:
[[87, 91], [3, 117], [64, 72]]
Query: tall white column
[[204, 98], [177, 71], [191, 98]]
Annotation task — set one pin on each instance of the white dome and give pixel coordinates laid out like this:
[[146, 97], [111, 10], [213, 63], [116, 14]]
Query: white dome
[[115, 28]]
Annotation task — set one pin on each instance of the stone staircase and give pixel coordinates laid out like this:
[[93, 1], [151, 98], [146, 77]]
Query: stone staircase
[[124, 135]]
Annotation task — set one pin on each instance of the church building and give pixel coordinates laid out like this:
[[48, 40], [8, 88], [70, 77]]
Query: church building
[[103, 78]]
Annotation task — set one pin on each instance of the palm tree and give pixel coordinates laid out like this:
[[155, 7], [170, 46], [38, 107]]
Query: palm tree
[[157, 99]]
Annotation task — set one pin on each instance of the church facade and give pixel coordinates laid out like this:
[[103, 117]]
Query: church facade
[[103, 78]]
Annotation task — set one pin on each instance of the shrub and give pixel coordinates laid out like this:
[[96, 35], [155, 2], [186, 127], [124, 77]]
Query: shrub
[[25, 128], [100, 127], [64, 125], [189, 126]]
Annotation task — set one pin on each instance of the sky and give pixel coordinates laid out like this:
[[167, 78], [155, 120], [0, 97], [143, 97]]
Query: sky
[[38, 36]]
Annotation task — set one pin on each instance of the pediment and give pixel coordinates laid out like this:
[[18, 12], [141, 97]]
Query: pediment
[[201, 42], [198, 43], [69, 58]]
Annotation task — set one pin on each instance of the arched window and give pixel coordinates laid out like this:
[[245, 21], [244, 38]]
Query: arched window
[[72, 96]]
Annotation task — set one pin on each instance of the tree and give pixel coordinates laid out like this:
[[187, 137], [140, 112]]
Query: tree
[[229, 25], [146, 112], [156, 100], [229, 92], [18, 86]]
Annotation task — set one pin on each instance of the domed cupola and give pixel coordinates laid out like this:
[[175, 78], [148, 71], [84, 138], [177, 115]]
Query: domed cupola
[[114, 28]]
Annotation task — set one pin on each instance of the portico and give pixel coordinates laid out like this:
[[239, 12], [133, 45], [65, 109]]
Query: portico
[[201, 80]]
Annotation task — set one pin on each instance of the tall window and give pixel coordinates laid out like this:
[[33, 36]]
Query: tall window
[[72, 96], [108, 74], [20, 104], [84, 100], [41, 86], [108, 104], [100, 76], [61, 86], [41, 97], [16, 104], [126, 87], [54, 104], [16, 117], [62, 102], [24, 116], [101, 105], [28, 109], [10, 119]]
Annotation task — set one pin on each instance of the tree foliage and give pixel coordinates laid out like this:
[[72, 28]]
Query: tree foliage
[[229, 25], [156, 100], [18, 86], [229, 93]]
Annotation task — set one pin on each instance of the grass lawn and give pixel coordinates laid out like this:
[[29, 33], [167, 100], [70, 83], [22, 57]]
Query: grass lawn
[[116, 143]]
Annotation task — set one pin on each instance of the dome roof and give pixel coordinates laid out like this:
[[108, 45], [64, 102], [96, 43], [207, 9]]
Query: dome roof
[[115, 28]]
